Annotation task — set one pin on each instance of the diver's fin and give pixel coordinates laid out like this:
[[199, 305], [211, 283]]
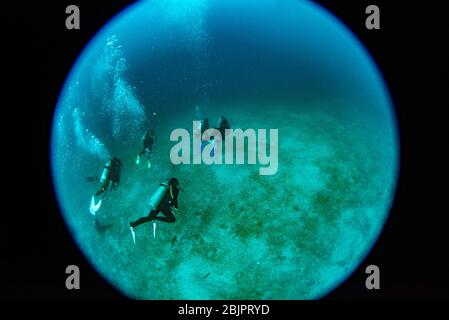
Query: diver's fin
[[149, 164], [133, 234], [138, 160], [154, 229], [94, 207]]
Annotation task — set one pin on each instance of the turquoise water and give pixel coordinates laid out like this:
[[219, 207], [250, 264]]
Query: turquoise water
[[265, 64]]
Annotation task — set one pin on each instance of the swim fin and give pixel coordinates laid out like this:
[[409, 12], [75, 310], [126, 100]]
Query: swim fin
[[149, 164], [133, 234], [154, 229], [138, 160], [94, 207]]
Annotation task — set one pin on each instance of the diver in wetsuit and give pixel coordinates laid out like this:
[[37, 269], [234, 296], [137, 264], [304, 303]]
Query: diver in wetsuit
[[149, 140], [110, 176], [221, 125], [165, 201], [109, 179]]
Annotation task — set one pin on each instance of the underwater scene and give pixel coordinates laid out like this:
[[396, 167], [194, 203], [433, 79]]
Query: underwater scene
[[156, 228]]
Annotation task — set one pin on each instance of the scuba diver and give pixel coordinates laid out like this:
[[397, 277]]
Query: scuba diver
[[199, 131], [149, 140], [109, 179], [165, 201], [221, 125]]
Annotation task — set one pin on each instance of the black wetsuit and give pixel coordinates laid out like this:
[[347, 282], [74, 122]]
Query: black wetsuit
[[166, 206], [114, 165], [148, 144]]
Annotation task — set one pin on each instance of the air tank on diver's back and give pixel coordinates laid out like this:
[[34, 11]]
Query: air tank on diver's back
[[157, 197], [106, 172]]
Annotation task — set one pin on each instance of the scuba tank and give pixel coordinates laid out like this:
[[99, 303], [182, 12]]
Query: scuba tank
[[157, 197], [106, 183], [106, 172]]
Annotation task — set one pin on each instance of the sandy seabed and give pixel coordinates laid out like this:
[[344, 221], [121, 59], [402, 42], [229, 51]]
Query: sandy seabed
[[240, 235]]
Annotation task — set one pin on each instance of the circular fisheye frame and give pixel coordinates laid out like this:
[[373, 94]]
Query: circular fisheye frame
[[287, 211]]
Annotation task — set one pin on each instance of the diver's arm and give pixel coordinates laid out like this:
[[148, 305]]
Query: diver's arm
[[173, 208], [175, 198]]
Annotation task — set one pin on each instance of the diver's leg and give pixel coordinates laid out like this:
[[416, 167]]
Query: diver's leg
[[169, 217], [139, 221], [151, 216], [94, 207], [103, 187], [138, 156], [110, 184], [100, 191], [148, 154]]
